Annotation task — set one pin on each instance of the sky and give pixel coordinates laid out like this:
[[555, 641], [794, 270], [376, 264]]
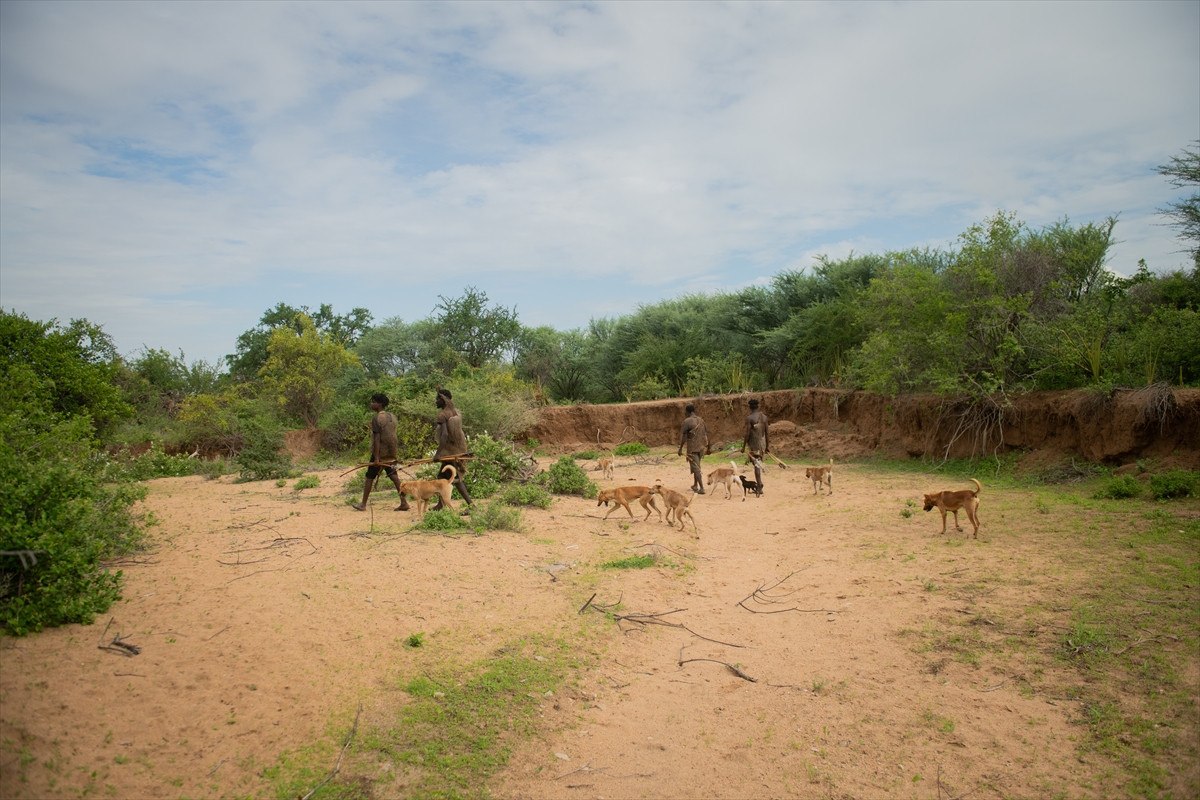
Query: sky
[[170, 171]]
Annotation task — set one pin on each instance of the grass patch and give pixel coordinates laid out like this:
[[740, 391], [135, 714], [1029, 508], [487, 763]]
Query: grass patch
[[631, 449], [632, 562], [307, 482], [451, 736]]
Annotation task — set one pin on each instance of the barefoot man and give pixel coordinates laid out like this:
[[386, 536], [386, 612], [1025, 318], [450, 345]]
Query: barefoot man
[[384, 449]]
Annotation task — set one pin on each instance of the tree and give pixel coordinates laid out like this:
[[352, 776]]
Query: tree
[[1184, 171], [251, 353], [301, 367], [396, 347], [472, 329]]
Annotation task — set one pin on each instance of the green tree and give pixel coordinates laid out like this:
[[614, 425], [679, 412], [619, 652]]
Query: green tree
[[477, 332], [396, 347], [251, 353], [301, 368], [1183, 172]]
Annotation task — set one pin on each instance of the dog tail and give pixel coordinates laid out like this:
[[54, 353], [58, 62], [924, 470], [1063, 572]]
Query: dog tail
[[452, 470], [978, 486], [734, 467]]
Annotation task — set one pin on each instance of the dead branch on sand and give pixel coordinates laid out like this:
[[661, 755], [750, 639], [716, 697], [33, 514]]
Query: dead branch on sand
[[731, 667], [118, 644], [640, 619], [338, 765], [761, 596]]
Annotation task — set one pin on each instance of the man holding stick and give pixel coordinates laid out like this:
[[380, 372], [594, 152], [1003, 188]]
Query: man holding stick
[[451, 441], [758, 439], [385, 447]]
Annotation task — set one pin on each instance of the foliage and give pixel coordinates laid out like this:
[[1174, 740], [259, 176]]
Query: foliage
[[472, 330], [70, 371], [346, 428], [1184, 172], [154, 463], [300, 367], [526, 494], [586, 455], [567, 477], [1121, 487], [262, 456], [253, 345], [496, 516], [396, 347], [496, 462], [56, 508], [630, 449], [307, 482], [445, 520], [1174, 484]]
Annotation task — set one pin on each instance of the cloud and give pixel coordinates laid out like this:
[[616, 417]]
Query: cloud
[[214, 159]]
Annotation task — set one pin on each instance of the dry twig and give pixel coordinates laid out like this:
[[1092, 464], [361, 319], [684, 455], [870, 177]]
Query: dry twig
[[338, 765]]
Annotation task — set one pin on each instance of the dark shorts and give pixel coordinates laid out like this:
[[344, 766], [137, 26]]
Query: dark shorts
[[374, 470]]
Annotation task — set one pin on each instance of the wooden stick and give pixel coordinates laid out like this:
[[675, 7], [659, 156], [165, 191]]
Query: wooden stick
[[778, 461], [396, 463]]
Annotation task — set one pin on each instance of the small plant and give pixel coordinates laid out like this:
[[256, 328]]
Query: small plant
[[910, 507], [445, 520], [567, 477], [282, 482], [307, 482], [526, 494], [415, 640], [630, 449], [632, 562], [1122, 487], [1174, 484], [262, 456], [496, 516], [586, 455]]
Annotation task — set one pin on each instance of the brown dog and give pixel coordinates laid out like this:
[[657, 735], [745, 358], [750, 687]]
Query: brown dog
[[605, 465], [965, 499], [677, 504], [622, 496], [423, 491], [819, 476], [725, 475]]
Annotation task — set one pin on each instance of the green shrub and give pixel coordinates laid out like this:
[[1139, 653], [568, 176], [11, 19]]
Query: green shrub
[[630, 449], [495, 463], [632, 562], [526, 494], [1121, 487], [1174, 484], [446, 521], [496, 516], [212, 468], [346, 428], [586, 455], [567, 477], [307, 482], [58, 508], [262, 456]]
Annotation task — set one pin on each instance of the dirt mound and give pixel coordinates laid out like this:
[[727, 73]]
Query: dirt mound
[[1113, 427]]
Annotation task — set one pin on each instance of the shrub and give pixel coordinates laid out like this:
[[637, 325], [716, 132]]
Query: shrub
[[495, 463], [496, 516], [587, 455], [630, 449], [1122, 487], [307, 482], [345, 428], [526, 494], [567, 477], [262, 456], [446, 521], [154, 463], [57, 507], [1174, 484]]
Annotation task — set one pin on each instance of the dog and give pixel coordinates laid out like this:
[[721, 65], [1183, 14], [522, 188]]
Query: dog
[[423, 491], [621, 496], [605, 465], [725, 475], [819, 476], [964, 499], [677, 504], [750, 485]]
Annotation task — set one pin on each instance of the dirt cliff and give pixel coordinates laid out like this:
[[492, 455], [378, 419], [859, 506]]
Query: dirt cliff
[[1112, 428]]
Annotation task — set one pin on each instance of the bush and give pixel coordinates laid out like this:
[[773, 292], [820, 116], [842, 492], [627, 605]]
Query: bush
[[495, 463], [346, 428], [1120, 488], [262, 456], [526, 494], [154, 463], [630, 449], [567, 477], [445, 520], [1174, 484], [307, 482], [586, 455], [56, 506], [496, 516]]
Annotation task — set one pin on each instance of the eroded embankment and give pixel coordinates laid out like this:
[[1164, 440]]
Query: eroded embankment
[[1114, 428]]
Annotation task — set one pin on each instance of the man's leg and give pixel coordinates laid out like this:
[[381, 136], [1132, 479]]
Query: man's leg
[[756, 458], [697, 475], [395, 476], [367, 486]]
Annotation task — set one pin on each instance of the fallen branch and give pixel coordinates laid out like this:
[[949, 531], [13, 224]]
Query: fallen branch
[[118, 644], [395, 463], [338, 765], [732, 668]]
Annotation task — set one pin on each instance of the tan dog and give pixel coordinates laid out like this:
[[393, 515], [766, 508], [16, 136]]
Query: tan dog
[[725, 475], [952, 501], [622, 496], [677, 504], [605, 465], [423, 491], [819, 476]]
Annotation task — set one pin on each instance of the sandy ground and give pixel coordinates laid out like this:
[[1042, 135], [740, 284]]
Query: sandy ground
[[264, 619]]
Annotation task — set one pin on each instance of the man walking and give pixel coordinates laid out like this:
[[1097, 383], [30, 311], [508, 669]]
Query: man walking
[[451, 442], [758, 439], [694, 436], [384, 449]]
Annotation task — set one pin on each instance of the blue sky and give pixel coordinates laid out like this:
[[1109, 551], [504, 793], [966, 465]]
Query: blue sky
[[172, 170]]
